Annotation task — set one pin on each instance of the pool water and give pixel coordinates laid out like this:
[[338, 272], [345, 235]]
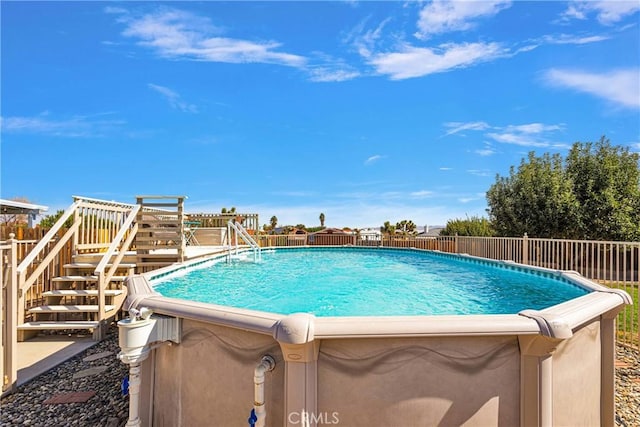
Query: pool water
[[368, 282]]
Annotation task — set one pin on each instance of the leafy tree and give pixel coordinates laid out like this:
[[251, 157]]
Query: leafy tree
[[606, 183], [593, 194], [301, 227], [387, 228], [474, 226], [406, 226], [50, 220], [223, 210], [321, 219], [537, 199]]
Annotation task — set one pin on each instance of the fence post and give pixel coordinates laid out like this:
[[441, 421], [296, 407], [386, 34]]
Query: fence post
[[525, 249], [455, 244], [11, 313]]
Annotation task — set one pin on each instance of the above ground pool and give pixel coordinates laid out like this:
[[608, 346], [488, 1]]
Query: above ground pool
[[347, 336], [369, 282]]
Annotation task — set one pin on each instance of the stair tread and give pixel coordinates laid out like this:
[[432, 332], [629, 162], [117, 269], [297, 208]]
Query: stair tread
[[85, 278], [80, 292], [156, 255], [94, 265], [72, 324], [69, 308]]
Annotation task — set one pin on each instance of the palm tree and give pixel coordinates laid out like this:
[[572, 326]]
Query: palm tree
[[321, 220], [274, 222]]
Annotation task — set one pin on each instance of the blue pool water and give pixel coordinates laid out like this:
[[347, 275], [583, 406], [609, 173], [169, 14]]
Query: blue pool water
[[368, 282]]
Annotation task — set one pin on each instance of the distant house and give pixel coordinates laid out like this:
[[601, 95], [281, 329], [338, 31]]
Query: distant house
[[331, 236], [329, 231], [371, 234], [430, 232]]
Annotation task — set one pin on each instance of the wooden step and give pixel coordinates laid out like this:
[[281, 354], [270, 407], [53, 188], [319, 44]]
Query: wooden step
[[85, 279], [90, 265], [72, 324], [69, 308], [81, 293], [159, 254], [158, 230]]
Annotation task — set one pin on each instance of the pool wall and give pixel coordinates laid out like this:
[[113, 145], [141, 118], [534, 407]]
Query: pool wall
[[548, 367]]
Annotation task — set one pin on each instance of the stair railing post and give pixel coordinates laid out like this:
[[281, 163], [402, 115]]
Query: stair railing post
[[183, 242], [13, 317], [101, 299], [76, 216]]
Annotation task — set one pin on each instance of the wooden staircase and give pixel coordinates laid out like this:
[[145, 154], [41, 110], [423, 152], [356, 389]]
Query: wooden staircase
[[72, 303], [73, 279]]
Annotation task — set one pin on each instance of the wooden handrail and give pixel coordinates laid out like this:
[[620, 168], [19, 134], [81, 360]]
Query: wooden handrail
[[103, 278], [116, 240], [28, 260], [103, 202], [45, 262]]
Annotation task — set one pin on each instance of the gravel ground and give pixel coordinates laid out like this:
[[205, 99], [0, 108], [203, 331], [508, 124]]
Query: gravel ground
[[107, 408], [110, 409], [627, 387]]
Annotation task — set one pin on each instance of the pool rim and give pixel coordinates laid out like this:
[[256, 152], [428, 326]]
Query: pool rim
[[558, 321]]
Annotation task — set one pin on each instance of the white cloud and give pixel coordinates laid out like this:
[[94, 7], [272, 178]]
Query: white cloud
[[607, 12], [174, 98], [413, 61], [442, 16], [365, 41], [373, 159], [115, 10], [526, 135], [573, 39], [488, 150], [178, 34], [455, 127], [422, 194], [467, 199], [533, 128], [445, 169], [331, 70], [74, 127], [301, 193], [517, 139], [621, 87], [479, 172]]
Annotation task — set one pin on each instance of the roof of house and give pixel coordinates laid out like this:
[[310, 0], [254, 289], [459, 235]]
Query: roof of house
[[13, 207], [433, 232], [330, 231]]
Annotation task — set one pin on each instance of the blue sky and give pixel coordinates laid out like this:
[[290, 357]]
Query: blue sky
[[365, 111]]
